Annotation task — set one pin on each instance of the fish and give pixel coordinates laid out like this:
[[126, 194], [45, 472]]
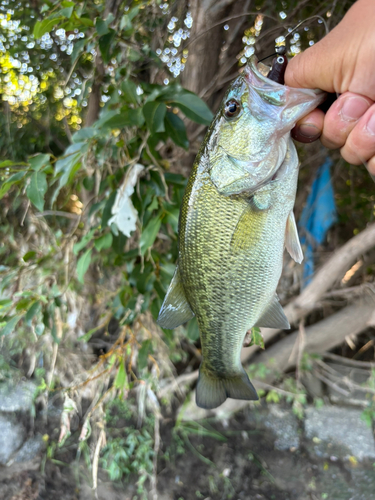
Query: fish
[[235, 220]]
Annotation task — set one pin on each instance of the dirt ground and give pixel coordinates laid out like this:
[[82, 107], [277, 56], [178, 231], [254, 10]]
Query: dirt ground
[[229, 460]]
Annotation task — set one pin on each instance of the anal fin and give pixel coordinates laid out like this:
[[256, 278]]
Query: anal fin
[[292, 242], [273, 316], [175, 309]]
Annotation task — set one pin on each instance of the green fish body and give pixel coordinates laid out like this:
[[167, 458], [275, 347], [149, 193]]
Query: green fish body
[[236, 219]]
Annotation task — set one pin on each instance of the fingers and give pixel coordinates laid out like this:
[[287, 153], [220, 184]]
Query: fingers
[[371, 167], [309, 128], [342, 117], [360, 145], [344, 59], [349, 124]]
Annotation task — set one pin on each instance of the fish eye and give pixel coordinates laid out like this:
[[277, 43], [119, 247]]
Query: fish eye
[[232, 108]]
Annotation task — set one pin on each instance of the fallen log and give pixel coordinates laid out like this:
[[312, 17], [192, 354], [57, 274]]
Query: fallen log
[[283, 355], [328, 274], [323, 336]]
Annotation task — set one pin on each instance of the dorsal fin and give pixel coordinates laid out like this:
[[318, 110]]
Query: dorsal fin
[[175, 309]]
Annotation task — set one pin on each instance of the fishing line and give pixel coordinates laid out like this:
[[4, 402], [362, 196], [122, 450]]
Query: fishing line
[[282, 48], [225, 20]]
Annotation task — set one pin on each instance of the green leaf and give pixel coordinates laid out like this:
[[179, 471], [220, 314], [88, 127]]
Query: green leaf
[[84, 134], [39, 329], [127, 118], [121, 378], [83, 264], [13, 179], [176, 130], [36, 190], [71, 156], [257, 338], [105, 45], [10, 326], [172, 216], [103, 242], [69, 164], [9, 163], [24, 303], [66, 12], [129, 92], [107, 214], [5, 303], [38, 161], [154, 113], [143, 354], [77, 49], [175, 179], [45, 26], [101, 27], [85, 21], [149, 234], [77, 247], [193, 107], [34, 309], [29, 255]]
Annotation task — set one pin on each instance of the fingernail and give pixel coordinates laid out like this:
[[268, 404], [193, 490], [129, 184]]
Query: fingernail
[[353, 108], [371, 124], [307, 132]]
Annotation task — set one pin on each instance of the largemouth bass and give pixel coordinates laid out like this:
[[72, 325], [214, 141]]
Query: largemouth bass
[[236, 219]]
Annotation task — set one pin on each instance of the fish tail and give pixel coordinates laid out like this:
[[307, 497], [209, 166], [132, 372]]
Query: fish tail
[[213, 391]]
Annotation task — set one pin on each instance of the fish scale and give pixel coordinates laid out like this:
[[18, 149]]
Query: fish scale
[[235, 220]]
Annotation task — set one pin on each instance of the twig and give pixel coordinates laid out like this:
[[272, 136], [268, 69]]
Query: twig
[[331, 374], [349, 362], [59, 332], [331, 384], [226, 19], [364, 348], [95, 462], [25, 213], [154, 491], [351, 291], [58, 213], [262, 385], [184, 379], [300, 346]]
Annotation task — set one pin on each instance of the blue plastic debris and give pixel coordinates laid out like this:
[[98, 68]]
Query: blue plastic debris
[[318, 215]]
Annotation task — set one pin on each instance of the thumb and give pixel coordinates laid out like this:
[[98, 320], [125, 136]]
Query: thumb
[[313, 68], [344, 59]]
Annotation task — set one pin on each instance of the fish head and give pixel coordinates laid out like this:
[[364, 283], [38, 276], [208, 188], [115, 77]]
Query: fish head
[[247, 141]]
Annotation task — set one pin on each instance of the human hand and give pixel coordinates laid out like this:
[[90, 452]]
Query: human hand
[[342, 62]]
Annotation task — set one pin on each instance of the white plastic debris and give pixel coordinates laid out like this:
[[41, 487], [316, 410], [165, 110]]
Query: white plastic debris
[[124, 213]]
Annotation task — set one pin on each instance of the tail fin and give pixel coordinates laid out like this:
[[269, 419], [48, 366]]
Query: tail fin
[[212, 391]]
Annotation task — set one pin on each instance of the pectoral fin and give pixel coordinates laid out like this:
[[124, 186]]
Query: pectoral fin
[[261, 200], [273, 316], [292, 242], [175, 309], [249, 225]]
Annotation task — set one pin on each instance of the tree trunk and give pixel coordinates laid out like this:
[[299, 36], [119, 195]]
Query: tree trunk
[[210, 52]]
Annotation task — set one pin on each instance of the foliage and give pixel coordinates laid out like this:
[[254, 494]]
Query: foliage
[[36, 277], [129, 451]]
